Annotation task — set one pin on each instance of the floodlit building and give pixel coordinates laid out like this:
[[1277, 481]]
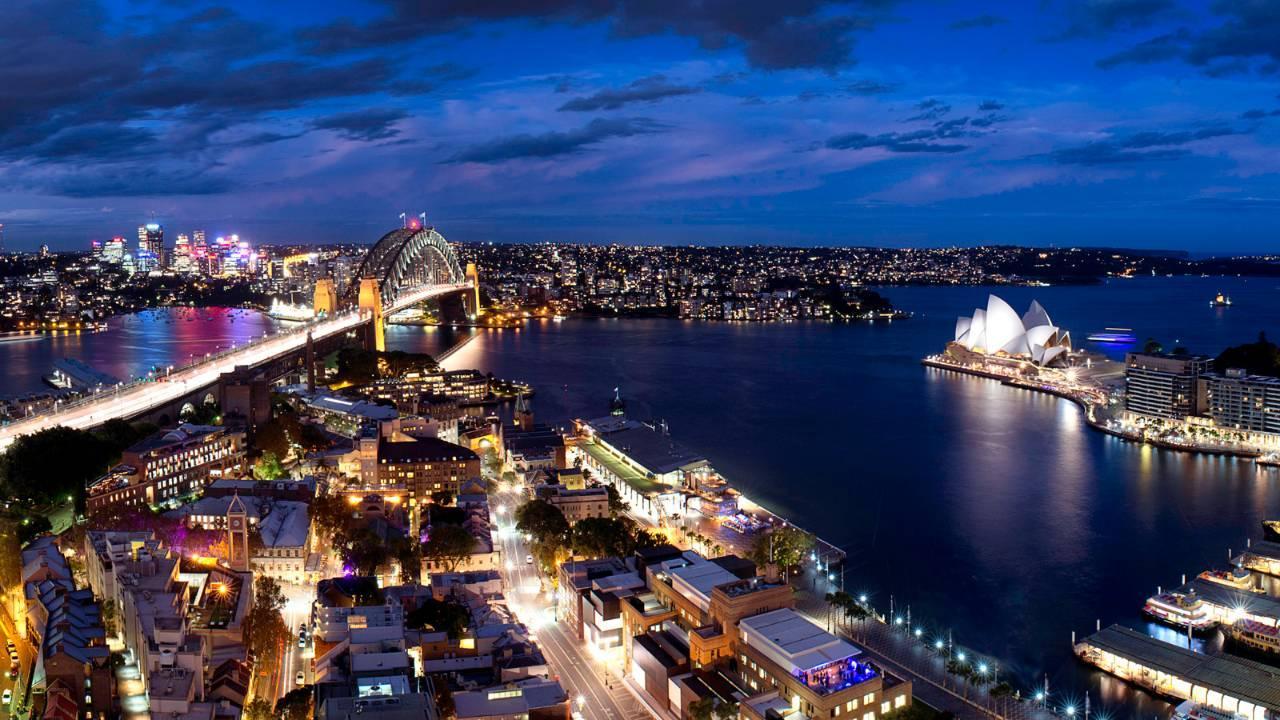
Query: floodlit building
[[814, 672], [1241, 401], [1164, 386], [999, 331], [168, 466]]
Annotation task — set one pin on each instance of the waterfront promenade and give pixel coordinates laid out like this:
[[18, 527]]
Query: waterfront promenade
[[1103, 408]]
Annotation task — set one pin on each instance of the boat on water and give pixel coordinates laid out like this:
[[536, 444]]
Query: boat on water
[[1179, 610], [1270, 459], [1192, 710], [1271, 530], [1253, 635], [1220, 300], [1113, 335], [557, 318], [1237, 578]]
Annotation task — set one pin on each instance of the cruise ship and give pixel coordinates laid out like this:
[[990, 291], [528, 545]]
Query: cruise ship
[[1220, 300], [1180, 611]]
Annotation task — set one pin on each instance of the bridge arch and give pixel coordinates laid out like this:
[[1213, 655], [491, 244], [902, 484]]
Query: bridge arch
[[407, 258]]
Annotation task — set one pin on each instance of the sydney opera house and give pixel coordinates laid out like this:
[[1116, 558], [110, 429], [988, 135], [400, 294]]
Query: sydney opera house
[[998, 331]]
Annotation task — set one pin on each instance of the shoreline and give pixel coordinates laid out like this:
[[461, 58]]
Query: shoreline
[[1089, 421]]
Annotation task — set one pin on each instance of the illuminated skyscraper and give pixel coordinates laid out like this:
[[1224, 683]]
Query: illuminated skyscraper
[[114, 251], [150, 246], [182, 253]]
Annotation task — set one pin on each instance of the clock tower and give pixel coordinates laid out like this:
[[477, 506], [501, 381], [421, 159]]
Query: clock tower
[[238, 535]]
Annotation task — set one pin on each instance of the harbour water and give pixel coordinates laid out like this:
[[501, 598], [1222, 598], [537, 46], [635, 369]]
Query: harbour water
[[993, 512]]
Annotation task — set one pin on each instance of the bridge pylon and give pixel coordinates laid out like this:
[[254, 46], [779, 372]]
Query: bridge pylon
[[370, 300], [473, 295], [326, 298]]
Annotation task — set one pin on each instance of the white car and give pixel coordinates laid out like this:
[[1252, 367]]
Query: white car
[[300, 678], [528, 559], [7, 698]]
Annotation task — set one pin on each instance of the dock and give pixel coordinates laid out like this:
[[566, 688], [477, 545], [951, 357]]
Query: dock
[[1223, 682], [1262, 556], [1227, 604], [69, 373]]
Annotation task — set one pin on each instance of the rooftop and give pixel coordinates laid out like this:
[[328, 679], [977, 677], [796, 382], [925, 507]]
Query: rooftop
[[793, 642], [1244, 679], [287, 525]]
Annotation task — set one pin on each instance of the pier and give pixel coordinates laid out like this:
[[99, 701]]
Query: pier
[[1226, 604], [1262, 557], [1222, 682]]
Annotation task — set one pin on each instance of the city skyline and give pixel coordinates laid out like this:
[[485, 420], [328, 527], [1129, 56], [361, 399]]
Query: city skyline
[[1129, 123]]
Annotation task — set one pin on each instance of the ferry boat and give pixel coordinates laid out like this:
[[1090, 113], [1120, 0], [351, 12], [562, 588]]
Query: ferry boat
[[1270, 459], [1253, 635], [1180, 611], [1237, 578], [1192, 710], [1113, 335], [1220, 300]]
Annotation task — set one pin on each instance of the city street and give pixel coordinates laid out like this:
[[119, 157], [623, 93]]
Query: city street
[[26, 659], [596, 691]]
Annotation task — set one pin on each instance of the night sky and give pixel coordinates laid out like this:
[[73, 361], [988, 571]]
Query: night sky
[[1138, 123]]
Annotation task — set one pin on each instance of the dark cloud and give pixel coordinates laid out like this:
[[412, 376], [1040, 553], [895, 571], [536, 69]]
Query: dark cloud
[[930, 110], [1088, 18], [921, 141], [552, 144], [1250, 29], [1103, 153], [429, 79], [100, 142], [82, 88], [1258, 114], [1138, 147], [364, 125], [772, 35], [1169, 46], [870, 87], [989, 105], [955, 127], [979, 21], [645, 90], [988, 120], [136, 181]]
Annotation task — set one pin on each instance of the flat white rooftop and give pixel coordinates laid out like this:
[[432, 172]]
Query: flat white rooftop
[[793, 642]]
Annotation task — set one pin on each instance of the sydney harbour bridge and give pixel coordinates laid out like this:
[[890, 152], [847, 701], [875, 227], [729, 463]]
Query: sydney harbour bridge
[[407, 266]]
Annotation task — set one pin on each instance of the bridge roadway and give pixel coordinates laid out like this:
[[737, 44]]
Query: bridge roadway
[[134, 399]]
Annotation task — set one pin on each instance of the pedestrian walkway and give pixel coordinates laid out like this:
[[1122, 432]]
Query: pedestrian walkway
[[898, 652]]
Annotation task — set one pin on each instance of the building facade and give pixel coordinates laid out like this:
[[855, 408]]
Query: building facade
[[168, 466], [1164, 386]]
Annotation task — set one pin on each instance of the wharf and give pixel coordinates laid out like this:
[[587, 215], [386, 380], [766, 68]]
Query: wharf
[[1262, 556], [71, 373], [1224, 682], [1227, 603]]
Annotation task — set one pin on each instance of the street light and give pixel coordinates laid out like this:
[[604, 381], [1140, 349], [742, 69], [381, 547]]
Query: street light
[[937, 645], [582, 700]]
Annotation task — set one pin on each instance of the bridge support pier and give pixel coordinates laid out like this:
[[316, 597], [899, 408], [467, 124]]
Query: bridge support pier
[[325, 301], [472, 300], [370, 300]]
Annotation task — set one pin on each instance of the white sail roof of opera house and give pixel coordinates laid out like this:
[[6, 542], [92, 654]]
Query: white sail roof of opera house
[[999, 329]]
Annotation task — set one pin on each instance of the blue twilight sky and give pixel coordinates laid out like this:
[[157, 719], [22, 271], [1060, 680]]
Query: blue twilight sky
[[1143, 123]]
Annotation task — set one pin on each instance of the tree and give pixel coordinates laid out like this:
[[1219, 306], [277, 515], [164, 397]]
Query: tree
[[726, 710], [786, 547], [616, 504], [448, 545], [109, 616], [702, 708], [441, 615], [365, 551], [295, 705], [602, 537], [542, 521], [1257, 358], [1152, 346], [53, 463], [264, 628], [268, 467], [259, 709]]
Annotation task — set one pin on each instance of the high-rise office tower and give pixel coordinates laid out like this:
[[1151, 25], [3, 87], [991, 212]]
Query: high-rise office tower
[[150, 246], [182, 253]]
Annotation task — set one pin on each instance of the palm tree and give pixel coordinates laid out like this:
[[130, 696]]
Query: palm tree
[[1002, 691]]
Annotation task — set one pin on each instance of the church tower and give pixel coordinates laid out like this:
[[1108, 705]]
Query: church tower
[[523, 414], [238, 535]]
